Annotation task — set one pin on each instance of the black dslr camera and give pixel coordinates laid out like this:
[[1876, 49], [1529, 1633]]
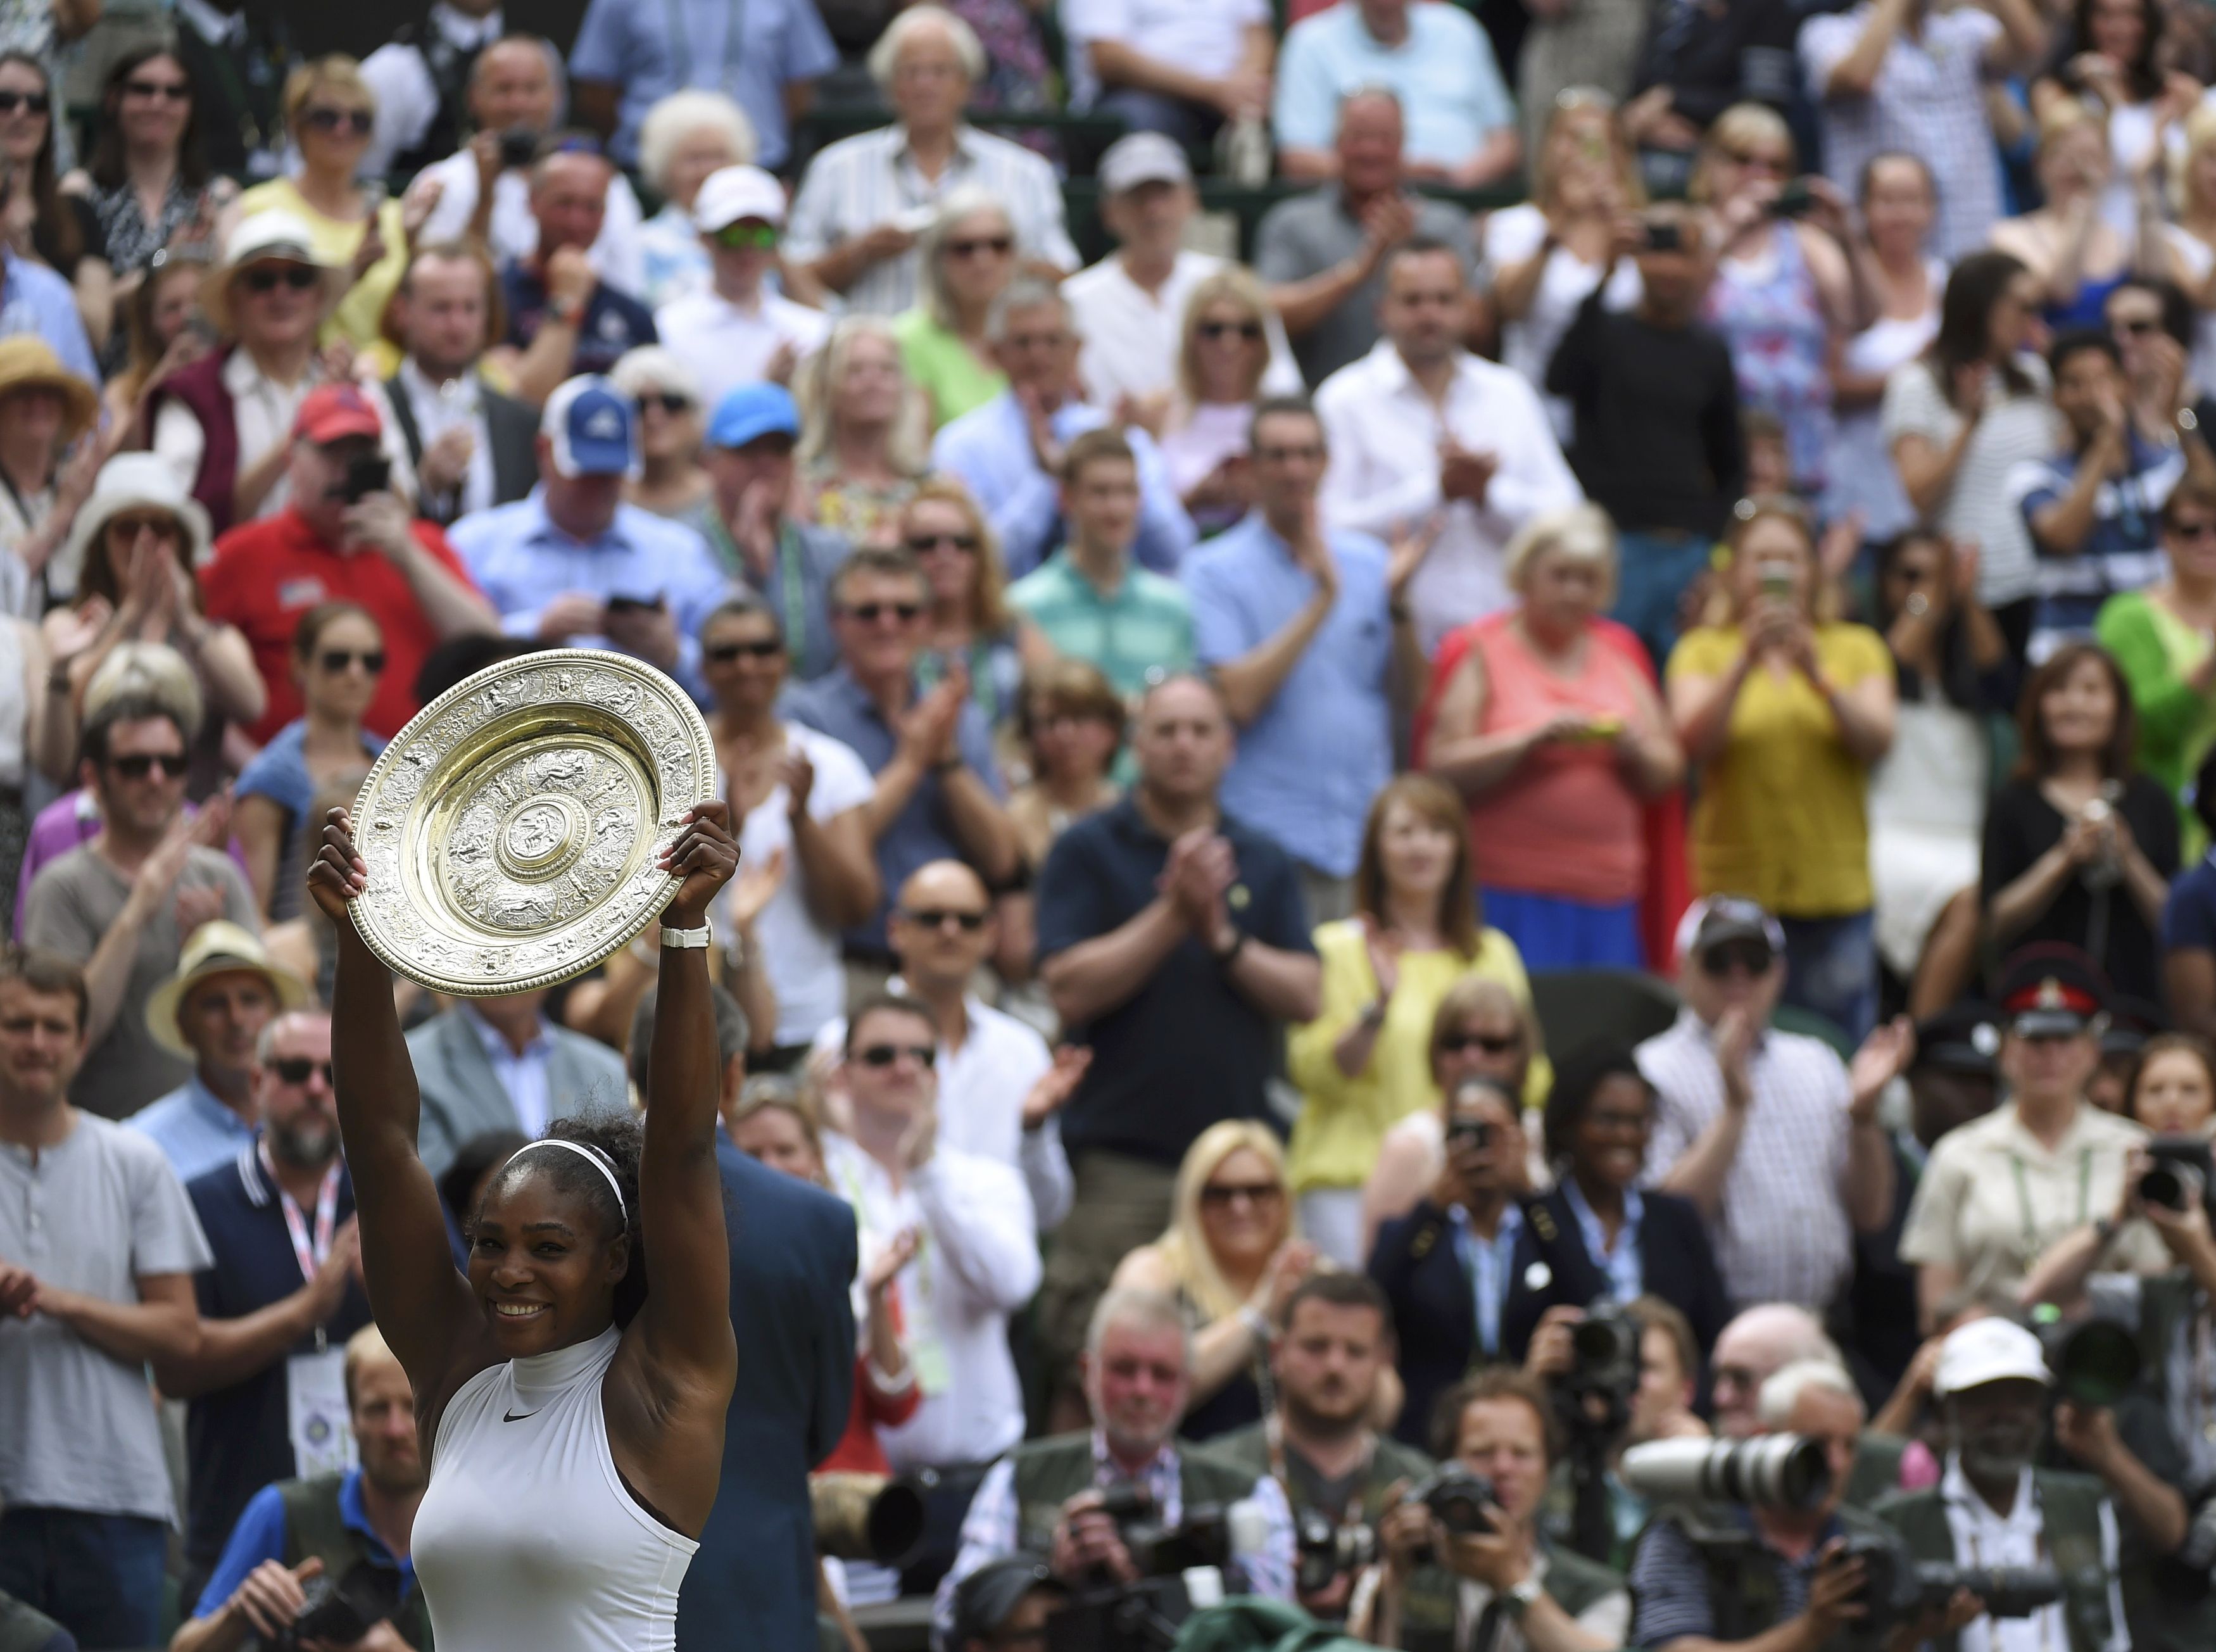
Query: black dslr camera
[[343, 1610], [1897, 1588]]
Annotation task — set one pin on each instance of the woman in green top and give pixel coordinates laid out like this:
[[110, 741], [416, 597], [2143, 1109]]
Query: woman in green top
[[2165, 639], [969, 258]]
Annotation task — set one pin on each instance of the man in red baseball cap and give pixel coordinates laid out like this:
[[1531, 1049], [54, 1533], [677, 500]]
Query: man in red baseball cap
[[345, 537]]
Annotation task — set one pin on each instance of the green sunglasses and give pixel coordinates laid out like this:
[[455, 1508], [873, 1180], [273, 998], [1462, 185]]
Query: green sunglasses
[[738, 236]]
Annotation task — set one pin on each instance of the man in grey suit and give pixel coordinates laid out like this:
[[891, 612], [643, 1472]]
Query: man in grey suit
[[498, 1063]]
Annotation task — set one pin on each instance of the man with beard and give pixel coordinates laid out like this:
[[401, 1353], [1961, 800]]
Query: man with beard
[[1328, 1362], [267, 1399], [1046, 1495], [337, 1526], [1992, 1508]]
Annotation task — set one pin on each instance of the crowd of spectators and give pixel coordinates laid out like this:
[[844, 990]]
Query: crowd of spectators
[[1392, 676]]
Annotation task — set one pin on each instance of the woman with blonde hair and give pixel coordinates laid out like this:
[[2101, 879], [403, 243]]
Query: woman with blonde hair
[[685, 137], [329, 113], [967, 257], [1548, 254], [1224, 353], [1782, 298], [863, 432], [1364, 1063], [1784, 711], [971, 626], [2076, 255], [1231, 1258], [1550, 729]]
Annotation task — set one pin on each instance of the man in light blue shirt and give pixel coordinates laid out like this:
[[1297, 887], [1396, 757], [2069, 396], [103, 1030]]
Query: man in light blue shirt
[[767, 54], [212, 1010], [573, 565], [1432, 56], [1008, 452], [34, 300], [1302, 630]]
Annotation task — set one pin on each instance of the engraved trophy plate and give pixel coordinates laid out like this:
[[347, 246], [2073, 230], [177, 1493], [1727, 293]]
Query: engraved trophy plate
[[512, 829]]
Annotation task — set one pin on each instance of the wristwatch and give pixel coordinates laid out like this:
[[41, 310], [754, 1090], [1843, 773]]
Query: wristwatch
[[688, 941], [1517, 1601]]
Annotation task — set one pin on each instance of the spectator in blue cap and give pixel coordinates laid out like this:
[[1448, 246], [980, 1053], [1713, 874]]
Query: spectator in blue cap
[[747, 521], [573, 565]]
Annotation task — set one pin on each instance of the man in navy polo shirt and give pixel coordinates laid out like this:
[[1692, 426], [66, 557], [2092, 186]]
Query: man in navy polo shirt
[[563, 319], [1174, 941], [349, 1522], [278, 1305]]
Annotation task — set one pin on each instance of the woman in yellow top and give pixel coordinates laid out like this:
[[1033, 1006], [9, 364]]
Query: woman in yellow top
[[1364, 1063], [1783, 711], [329, 111]]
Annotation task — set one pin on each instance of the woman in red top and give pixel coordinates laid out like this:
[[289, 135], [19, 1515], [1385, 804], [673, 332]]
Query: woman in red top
[[1549, 726], [773, 1124]]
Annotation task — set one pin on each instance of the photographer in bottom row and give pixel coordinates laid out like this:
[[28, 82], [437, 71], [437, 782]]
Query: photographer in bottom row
[[1464, 1565], [1069, 1497]]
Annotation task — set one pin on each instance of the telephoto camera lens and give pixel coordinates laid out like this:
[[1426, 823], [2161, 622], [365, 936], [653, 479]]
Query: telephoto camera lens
[[1772, 1472]]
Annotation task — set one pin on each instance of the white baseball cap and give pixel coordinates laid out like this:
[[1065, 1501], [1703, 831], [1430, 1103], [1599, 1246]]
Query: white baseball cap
[[1988, 1351], [737, 193]]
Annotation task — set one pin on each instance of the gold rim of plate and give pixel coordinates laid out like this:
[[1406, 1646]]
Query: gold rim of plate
[[512, 829]]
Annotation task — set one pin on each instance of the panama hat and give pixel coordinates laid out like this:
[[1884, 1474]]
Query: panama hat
[[218, 947]]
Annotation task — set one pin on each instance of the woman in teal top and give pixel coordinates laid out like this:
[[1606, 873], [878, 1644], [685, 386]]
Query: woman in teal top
[[969, 258], [2165, 639]]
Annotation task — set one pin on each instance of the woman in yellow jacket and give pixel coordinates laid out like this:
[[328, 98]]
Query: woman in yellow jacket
[[1365, 1061]]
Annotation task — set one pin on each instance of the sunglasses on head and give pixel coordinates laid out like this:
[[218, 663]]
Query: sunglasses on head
[[999, 245], [266, 278], [36, 102], [1750, 956], [924, 544], [176, 92], [1493, 1044], [869, 613], [936, 918], [1222, 1193], [357, 121], [338, 659], [138, 766], [884, 1055], [297, 1070], [767, 647], [669, 401], [742, 236], [1248, 330]]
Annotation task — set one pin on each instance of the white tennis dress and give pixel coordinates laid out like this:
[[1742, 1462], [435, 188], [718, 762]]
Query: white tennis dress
[[526, 1540]]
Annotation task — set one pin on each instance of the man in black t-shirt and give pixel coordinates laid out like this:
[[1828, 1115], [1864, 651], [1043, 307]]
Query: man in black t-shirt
[[1174, 942]]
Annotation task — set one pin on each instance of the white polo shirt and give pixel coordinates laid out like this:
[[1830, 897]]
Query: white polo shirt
[[727, 345]]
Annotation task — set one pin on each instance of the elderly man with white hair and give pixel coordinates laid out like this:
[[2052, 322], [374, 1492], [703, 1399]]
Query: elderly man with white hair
[[685, 139], [866, 199]]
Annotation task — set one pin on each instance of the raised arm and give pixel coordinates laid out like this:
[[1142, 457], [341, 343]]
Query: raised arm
[[423, 1304]]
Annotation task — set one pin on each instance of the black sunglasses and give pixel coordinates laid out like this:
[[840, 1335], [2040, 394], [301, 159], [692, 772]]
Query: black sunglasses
[[869, 613], [296, 1070], [1751, 956], [923, 545], [930, 918], [299, 277], [1456, 1043], [1249, 331], [884, 1055], [36, 102], [140, 765], [724, 653], [1221, 1193], [358, 121], [338, 659], [1000, 245], [177, 91], [668, 400]]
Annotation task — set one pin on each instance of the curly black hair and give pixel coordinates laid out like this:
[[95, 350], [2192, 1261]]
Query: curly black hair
[[621, 1136], [1577, 1079]]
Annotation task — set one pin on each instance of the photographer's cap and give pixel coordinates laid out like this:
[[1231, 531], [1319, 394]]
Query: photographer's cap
[[1720, 919], [2051, 989], [331, 413], [593, 428], [1988, 1351], [984, 1600]]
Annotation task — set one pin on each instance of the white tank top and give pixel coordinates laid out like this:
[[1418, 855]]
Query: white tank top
[[526, 1540]]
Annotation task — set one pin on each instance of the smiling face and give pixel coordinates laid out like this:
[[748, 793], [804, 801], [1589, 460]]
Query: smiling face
[[2078, 711], [25, 124], [1996, 1427], [512, 87], [332, 129], [1230, 350], [544, 1262], [942, 929], [1242, 1210], [1067, 743], [276, 302], [929, 85], [743, 661], [1487, 1041], [878, 619], [1608, 1147], [942, 537], [867, 395], [141, 784], [978, 254], [1417, 854], [153, 104]]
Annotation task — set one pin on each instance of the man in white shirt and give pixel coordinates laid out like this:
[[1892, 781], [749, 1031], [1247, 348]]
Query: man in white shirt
[[739, 332], [422, 78], [482, 190], [1129, 307], [998, 1088], [1178, 67], [1421, 426], [864, 200], [977, 1258]]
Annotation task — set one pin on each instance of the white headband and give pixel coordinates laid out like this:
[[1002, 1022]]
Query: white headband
[[592, 1156]]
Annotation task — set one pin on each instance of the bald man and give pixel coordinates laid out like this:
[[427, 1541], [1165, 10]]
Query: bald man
[[1756, 1347], [999, 1086]]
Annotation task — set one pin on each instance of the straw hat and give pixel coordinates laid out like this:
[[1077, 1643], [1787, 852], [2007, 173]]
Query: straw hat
[[136, 481], [28, 362], [218, 947], [276, 236]]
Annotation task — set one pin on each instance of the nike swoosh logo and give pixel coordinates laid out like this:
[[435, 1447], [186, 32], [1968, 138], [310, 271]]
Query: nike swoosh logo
[[514, 1417]]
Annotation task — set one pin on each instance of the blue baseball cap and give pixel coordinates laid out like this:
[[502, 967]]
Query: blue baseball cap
[[593, 427], [752, 411]]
